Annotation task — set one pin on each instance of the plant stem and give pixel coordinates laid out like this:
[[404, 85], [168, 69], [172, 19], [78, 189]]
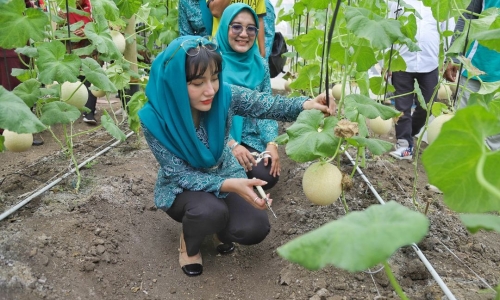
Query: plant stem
[[394, 282]]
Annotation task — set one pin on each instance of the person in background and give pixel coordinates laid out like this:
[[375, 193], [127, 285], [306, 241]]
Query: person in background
[[269, 28], [243, 66], [421, 66], [84, 6], [217, 7], [186, 123], [194, 18], [483, 58]]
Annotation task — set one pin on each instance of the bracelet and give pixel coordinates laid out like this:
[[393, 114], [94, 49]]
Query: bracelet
[[233, 146], [273, 143]]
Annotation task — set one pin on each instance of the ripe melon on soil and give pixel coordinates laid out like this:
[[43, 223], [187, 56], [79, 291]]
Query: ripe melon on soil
[[322, 183], [74, 93], [17, 142], [434, 127]]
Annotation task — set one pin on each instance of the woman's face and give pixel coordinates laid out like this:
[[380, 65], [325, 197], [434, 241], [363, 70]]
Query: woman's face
[[202, 90], [242, 42]]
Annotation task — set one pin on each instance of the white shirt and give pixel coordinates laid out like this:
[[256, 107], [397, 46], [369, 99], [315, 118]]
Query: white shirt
[[427, 37]]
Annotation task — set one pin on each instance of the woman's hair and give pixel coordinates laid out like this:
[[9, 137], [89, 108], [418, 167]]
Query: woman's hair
[[198, 64]]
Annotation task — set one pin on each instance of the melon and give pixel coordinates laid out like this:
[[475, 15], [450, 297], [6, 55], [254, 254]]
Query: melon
[[322, 183], [17, 142]]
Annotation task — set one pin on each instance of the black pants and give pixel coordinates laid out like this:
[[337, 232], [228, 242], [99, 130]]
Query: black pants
[[262, 172], [232, 218], [410, 124]]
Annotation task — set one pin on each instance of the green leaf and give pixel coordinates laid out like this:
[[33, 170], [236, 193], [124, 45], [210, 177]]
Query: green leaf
[[16, 116], [458, 155], [438, 108], [55, 65], [134, 105], [377, 147], [307, 75], [128, 7], [28, 91], [97, 76], [476, 222], [100, 36], [309, 45], [358, 241], [58, 112], [377, 85], [380, 32], [2, 140], [368, 107], [311, 137], [107, 8], [20, 24], [420, 97], [282, 139], [111, 127], [365, 59]]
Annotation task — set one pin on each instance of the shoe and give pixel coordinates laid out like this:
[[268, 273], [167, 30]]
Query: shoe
[[403, 153], [433, 188], [190, 268], [223, 248], [89, 118], [37, 142]]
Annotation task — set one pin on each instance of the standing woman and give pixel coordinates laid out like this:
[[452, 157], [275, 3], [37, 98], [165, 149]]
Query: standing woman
[[244, 66], [194, 18], [186, 123]]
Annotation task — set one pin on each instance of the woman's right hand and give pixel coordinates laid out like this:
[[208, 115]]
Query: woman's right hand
[[245, 188], [244, 157]]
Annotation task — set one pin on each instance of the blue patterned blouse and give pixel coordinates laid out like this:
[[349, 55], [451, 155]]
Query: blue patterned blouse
[[175, 175], [257, 133], [190, 19]]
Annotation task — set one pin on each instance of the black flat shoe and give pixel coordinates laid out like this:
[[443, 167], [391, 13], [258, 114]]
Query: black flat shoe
[[192, 269], [37, 142], [225, 248]]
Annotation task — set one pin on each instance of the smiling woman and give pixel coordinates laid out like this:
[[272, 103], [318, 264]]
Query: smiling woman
[[186, 123]]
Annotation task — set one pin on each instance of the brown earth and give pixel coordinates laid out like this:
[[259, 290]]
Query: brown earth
[[108, 241]]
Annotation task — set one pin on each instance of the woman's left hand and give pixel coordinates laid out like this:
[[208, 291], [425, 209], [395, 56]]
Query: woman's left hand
[[319, 103], [275, 160]]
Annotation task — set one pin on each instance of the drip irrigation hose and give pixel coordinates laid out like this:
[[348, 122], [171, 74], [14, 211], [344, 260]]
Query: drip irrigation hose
[[422, 257], [328, 44], [323, 53], [53, 183]]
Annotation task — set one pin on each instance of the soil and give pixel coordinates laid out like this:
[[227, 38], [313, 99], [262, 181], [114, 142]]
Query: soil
[[108, 241]]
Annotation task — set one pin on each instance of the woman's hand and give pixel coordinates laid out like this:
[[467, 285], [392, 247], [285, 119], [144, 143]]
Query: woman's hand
[[245, 188], [319, 103], [244, 157], [275, 160]]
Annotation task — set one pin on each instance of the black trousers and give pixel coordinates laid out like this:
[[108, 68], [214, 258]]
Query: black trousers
[[262, 172], [232, 218], [410, 124]]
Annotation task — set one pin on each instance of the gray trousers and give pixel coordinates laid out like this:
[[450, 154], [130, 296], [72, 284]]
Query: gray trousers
[[473, 86]]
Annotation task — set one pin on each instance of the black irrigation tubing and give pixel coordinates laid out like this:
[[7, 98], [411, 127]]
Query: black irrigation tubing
[[297, 54], [54, 182], [323, 54], [329, 42], [69, 30]]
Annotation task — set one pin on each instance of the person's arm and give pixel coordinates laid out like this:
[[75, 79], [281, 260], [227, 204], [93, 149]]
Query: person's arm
[[183, 21], [217, 7], [475, 6], [261, 38]]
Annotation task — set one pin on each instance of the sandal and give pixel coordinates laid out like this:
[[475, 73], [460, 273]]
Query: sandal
[[223, 248], [191, 267]]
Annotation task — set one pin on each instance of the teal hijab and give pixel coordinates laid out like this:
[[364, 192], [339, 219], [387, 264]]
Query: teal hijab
[[206, 16], [167, 114], [243, 69]]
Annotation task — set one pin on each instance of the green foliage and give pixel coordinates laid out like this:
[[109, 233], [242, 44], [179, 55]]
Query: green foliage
[[134, 105], [16, 116], [476, 222], [108, 123], [359, 240], [459, 163], [58, 112], [55, 64]]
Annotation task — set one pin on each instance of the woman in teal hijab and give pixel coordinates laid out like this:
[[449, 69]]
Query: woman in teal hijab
[[186, 124], [244, 66]]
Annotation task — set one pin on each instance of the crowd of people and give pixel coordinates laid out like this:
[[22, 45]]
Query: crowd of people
[[225, 117]]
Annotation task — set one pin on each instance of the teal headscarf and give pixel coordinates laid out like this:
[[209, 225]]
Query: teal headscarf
[[206, 16], [243, 69], [167, 114]]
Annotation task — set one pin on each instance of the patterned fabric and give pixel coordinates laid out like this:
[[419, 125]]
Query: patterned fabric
[[191, 19], [269, 27], [176, 175]]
